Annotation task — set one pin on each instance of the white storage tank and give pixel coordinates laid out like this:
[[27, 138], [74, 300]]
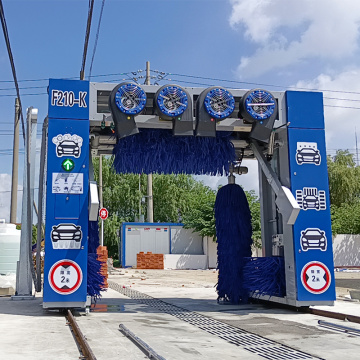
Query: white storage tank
[[9, 247]]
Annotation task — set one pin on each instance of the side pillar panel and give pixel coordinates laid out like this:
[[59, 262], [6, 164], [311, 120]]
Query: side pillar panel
[[312, 237], [66, 230]]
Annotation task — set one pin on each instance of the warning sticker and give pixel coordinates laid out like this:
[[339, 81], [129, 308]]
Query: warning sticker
[[65, 277], [315, 277]]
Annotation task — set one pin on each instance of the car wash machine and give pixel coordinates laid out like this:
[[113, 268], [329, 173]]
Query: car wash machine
[[283, 131]]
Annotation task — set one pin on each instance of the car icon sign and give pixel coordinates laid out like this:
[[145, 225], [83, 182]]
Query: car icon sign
[[308, 156], [313, 238], [68, 148], [66, 232]]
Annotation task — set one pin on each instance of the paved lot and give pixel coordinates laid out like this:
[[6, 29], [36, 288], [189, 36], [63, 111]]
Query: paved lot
[[29, 332], [175, 338]]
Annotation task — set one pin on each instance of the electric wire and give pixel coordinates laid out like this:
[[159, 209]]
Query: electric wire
[[11, 58], [260, 84], [96, 37], [127, 74], [156, 77], [87, 36], [68, 78]]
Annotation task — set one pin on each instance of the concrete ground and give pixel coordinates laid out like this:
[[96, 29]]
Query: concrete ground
[[27, 331]]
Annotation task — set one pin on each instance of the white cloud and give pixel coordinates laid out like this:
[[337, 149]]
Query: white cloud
[[288, 32], [340, 118]]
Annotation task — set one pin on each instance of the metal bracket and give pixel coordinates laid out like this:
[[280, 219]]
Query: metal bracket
[[285, 201]]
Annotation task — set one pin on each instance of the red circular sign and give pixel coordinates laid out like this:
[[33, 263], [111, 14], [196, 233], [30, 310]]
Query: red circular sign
[[103, 213], [315, 277], [65, 277]]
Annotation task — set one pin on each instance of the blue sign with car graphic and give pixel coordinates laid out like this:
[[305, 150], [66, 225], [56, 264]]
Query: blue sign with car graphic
[[309, 184], [65, 268]]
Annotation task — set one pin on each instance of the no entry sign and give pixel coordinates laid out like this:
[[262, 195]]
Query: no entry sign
[[315, 277], [103, 213], [65, 277]]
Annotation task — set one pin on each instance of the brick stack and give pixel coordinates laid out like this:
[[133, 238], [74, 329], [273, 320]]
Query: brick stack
[[102, 255], [149, 261]]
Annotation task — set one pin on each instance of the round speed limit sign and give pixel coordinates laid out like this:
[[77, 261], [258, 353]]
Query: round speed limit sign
[[65, 277], [315, 277]]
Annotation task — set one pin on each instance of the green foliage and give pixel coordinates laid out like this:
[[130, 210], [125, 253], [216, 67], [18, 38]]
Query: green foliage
[[174, 196], [200, 216], [344, 178], [200, 213], [34, 234], [344, 184], [33, 230], [254, 204], [111, 235], [345, 218]]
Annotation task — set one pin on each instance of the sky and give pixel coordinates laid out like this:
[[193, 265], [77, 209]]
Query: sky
[[273, 44]]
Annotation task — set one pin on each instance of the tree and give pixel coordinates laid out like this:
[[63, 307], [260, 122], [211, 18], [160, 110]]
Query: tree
[[121, 196], [200, 216], [173, 197], [345, 218], [344, 178], [344, 185], [254, 204]]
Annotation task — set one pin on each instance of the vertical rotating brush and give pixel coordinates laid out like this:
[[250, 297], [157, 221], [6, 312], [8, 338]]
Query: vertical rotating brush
[[95, 280], [233, 232]]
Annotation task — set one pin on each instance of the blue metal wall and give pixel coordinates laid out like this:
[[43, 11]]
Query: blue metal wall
[[310, 186], [65, 269]]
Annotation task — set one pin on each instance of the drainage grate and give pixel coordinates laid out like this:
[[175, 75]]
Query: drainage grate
[[256, 344]]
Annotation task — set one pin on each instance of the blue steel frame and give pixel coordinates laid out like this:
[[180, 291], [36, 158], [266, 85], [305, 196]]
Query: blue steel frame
[[69, 114]]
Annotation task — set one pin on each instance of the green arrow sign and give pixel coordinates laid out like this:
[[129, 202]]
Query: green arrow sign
[[68, 164]]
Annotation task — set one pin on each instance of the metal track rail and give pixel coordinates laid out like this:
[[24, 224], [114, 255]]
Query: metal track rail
[[309, 310], [80, 338], [151, 354], [338, 327], [334, 315]]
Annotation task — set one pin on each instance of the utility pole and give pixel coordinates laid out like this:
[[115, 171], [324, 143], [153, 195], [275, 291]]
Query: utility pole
[[40, 203], [150, 204], [101, 200], [15, 164], [25, 270]]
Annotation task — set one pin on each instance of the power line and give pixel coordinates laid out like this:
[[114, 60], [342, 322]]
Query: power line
[[11, 58], [23, 88], [342, 107], [87, 36], [258, 84], [96, 37], [66, 78], [32, 94], [332, 98]]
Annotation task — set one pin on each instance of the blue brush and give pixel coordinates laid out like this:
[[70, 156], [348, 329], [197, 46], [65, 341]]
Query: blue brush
[[95, 280], [158, 151], [265, 276], [233, 232]]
